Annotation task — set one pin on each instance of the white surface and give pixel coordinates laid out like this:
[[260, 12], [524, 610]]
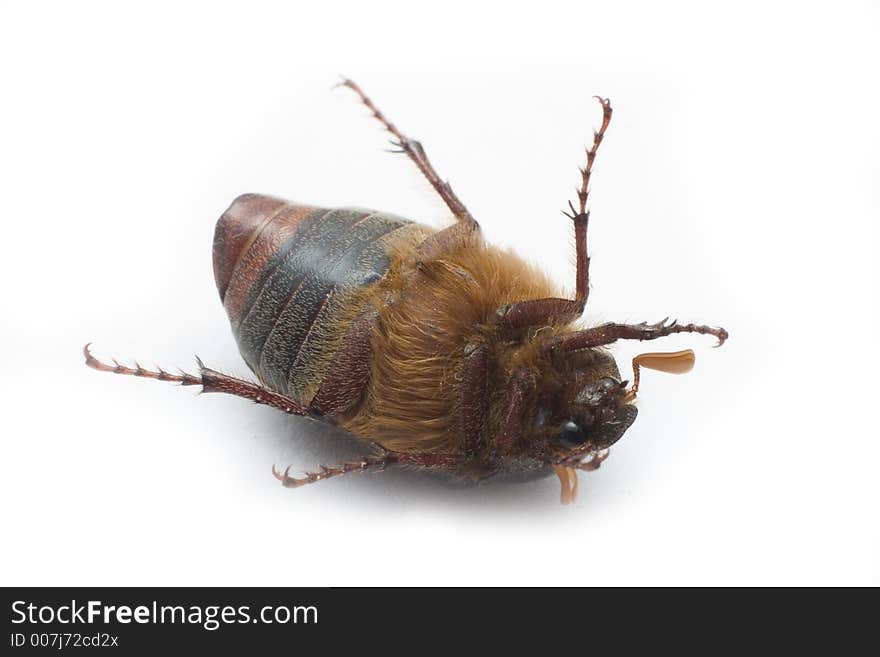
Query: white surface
[[737, 186]]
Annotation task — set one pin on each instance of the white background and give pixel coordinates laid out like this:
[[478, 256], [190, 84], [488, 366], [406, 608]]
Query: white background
[[737, 186]]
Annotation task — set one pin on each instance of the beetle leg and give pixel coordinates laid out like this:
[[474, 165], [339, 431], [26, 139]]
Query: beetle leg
[[210, 380], [534, 312], [474, 397], [416, 153], [607, 333], [367, 463], [584, 192], [518, 389], [537, 312]]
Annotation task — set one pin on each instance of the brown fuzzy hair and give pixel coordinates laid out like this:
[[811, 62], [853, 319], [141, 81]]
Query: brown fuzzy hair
[[428, 312]]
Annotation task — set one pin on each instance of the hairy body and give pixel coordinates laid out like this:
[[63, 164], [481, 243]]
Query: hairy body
[[429, 313]]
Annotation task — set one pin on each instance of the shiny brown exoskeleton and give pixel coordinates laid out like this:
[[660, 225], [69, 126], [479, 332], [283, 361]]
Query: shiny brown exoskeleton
[[434, 348]]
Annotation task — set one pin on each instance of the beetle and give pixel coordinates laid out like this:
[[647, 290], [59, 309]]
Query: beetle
[[434, 348]]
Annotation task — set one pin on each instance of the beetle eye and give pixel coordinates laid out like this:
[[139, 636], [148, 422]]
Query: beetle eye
[[572, 435]]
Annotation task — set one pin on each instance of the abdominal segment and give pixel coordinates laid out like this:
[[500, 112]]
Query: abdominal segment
[[292, 279]]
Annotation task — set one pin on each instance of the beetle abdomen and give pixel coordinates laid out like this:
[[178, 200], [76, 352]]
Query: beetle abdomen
[[292, 279]]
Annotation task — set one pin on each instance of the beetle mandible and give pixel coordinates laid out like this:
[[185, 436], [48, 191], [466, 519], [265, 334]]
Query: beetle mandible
[[434, 348]]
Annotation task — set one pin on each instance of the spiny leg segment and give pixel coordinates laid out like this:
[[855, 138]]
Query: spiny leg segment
[[416, 153], [581, 216], [210, 380], [605, 334], [534, 312], [584, 191], [367, 463]]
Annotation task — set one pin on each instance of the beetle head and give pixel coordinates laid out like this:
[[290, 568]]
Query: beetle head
[[582, 408], [585, 410]]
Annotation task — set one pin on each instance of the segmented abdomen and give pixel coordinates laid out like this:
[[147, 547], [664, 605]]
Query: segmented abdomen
[[291, 278]]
